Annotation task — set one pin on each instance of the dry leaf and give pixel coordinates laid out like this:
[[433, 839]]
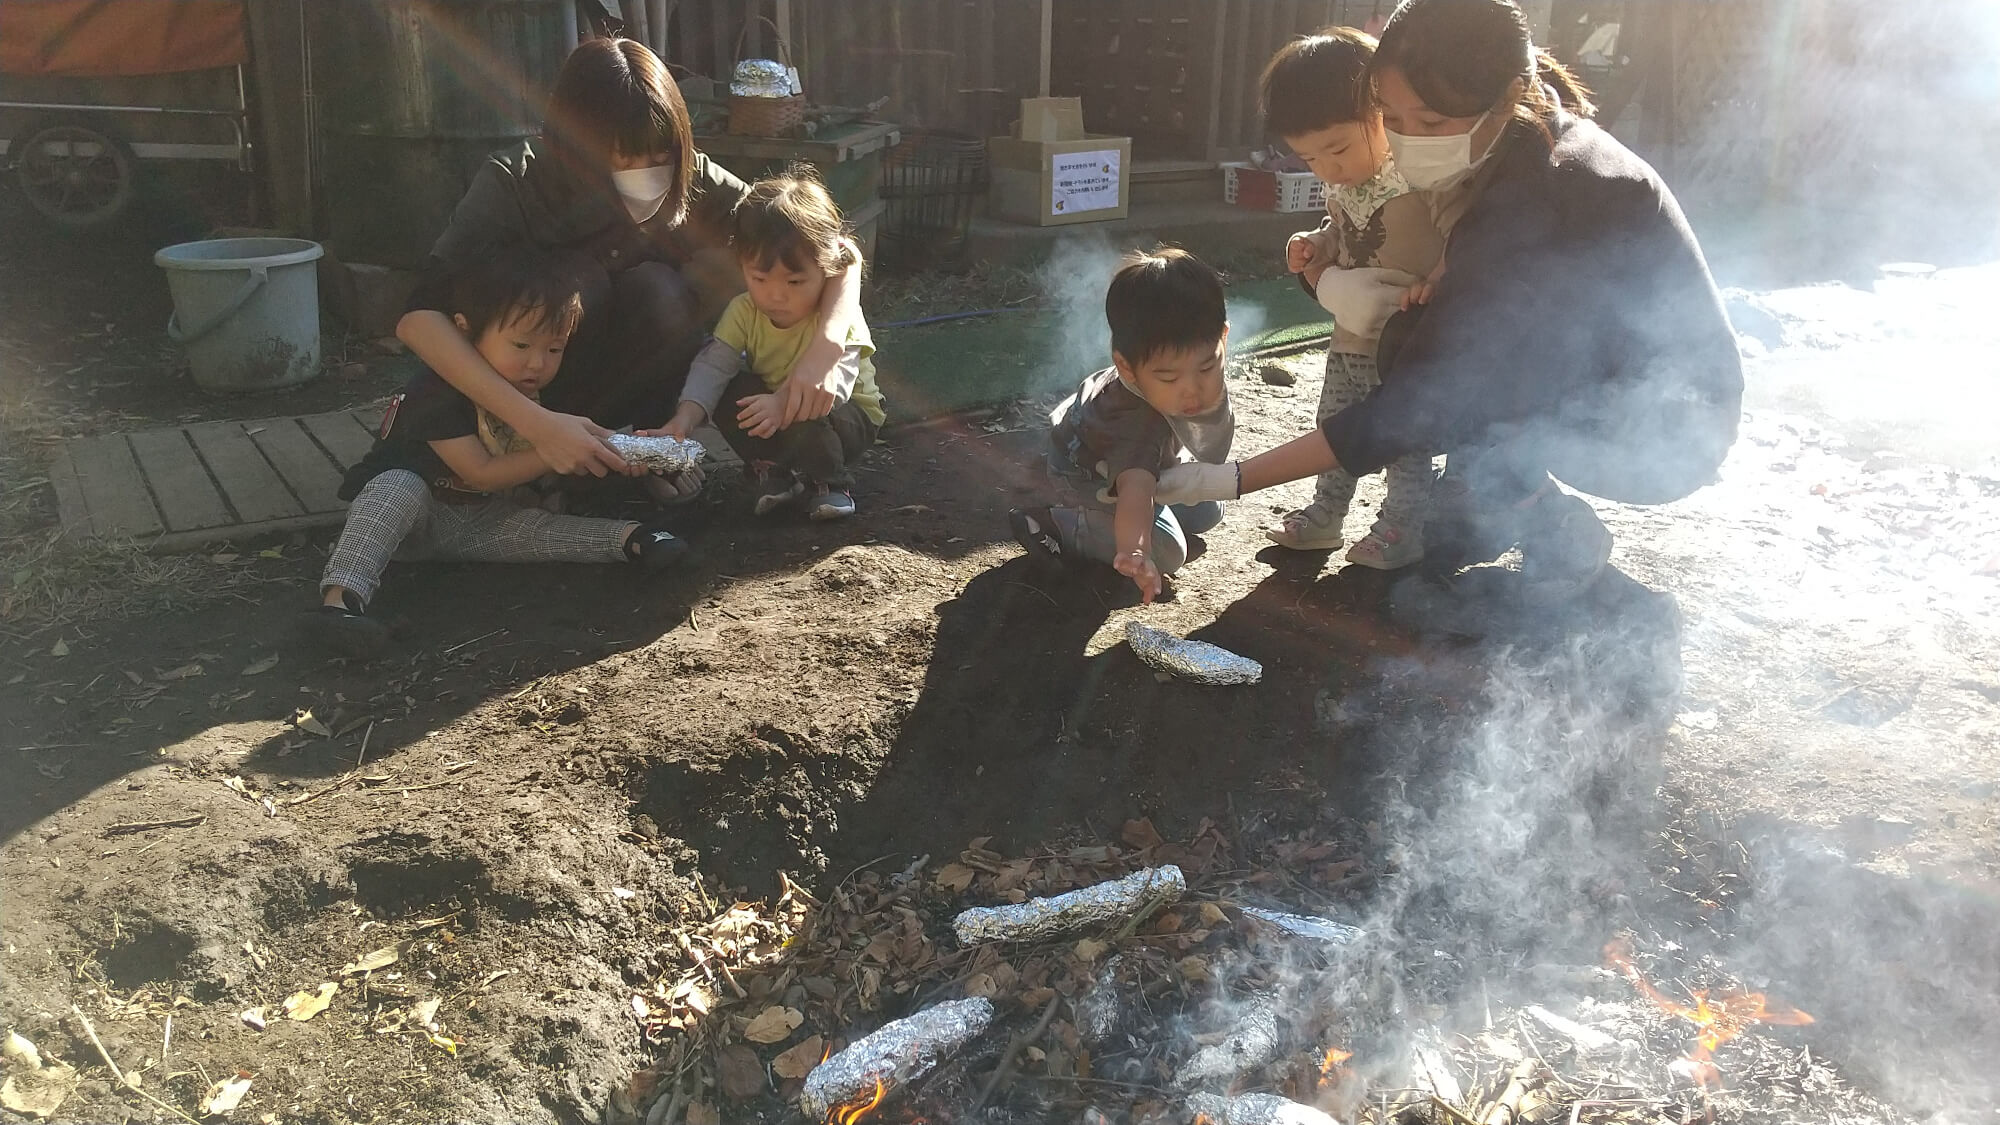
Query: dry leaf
[[252, 1018], [262, 666], [800, 1060], [424, 1013], [184, 672], [1090, 949], [702, 1113], [303, 1006], [1212, 915], [773, 1024], [448, 1046], [981, 984], [1194, 969], [224, 1095], [39, 1093], [955, 877], [369, 962], [304, 721], [61, 649], [738, 1072], [1141, 834]]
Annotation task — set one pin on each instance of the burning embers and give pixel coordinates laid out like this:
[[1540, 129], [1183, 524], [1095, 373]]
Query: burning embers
[[1718, 1017]]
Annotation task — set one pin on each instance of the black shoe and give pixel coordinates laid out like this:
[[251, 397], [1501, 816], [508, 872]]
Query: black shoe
[[655, 548], [1035, 530], [347, 632]]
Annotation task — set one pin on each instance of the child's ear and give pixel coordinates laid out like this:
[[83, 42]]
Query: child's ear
[[1125, 371], [464, 325]]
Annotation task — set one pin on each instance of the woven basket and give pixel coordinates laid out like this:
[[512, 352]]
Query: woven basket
[[766, 117]]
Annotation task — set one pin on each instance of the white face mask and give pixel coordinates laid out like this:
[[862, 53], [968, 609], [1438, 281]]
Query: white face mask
[[1433, 163], [643, 190]]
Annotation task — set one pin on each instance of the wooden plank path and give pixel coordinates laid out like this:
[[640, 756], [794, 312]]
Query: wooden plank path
[[181, 487]]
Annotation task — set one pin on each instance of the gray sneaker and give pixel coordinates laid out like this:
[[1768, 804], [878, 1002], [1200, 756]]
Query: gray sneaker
[[830, 503]]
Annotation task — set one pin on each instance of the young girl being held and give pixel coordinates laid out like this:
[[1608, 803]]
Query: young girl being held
[[789, 240]]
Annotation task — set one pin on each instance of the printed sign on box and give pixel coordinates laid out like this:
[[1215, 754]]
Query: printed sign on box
[[1084, 181]]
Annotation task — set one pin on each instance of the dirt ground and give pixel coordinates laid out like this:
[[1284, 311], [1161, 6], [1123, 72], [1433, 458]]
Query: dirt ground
[[567, 764]]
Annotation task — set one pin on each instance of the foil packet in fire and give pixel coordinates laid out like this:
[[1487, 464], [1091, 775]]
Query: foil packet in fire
[[1306, 926], [660, 454], [1194, 661], [1038, 918], [1255, 1109], [898, 1052]]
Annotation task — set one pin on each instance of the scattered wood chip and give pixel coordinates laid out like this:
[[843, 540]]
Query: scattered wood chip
[[262, 666], [184, 672], [225, 1095], [774, 1024], [253, 1018], [302, 1006], [800, 1060], [127, 827], [60, 649], [371, 961]]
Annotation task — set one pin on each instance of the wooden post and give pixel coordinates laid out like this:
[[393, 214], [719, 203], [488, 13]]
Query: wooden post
[[1048, 41], [281, 118]]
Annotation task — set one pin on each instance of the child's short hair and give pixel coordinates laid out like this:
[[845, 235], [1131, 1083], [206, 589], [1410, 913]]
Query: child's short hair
[[791, 219], [517, 285], [1316, 81], [1165, 300]]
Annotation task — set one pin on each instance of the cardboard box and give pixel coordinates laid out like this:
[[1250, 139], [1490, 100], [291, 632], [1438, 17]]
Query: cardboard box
[[1052, 184], [1051, 120]]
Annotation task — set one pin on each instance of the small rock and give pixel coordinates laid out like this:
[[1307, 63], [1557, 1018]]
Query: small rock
[[1277, 375]]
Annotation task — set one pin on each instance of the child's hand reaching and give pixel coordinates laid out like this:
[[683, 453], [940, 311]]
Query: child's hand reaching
[[681, 425], [1299, 251], [761, 415], [1138, 566]]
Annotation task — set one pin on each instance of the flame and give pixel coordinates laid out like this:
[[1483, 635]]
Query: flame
[[1329, 1067], [859, 1111], [1717, 1017]]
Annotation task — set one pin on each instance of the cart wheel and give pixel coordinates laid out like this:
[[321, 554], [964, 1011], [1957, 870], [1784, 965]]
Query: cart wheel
[[75, 175]]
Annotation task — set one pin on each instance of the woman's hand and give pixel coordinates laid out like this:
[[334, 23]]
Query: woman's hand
[[1136, 565], [570, 444], [761, 415], [1197, 482]]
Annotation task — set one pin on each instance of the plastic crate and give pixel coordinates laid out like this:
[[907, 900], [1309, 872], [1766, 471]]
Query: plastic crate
[[1260, 190]]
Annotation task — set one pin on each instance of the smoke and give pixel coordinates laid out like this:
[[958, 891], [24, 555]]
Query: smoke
[[1073, 282]]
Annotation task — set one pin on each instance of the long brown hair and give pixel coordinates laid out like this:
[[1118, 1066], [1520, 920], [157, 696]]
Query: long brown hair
[[1460, 56], [615, 97], [791, 219]]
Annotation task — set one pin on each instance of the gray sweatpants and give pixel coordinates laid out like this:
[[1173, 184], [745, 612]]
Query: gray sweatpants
[[1349, 379], [396, 517]]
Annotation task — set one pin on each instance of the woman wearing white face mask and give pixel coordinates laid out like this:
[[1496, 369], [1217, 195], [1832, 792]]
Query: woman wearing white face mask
[[1575, 330], [615, 183]]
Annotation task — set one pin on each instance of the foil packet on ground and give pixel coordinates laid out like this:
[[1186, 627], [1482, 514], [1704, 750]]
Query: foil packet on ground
[[660, 454], [1255, 1109], [1194, 661], [1042, 917], [1254, 1041], [898, 1052], [1306, 926]]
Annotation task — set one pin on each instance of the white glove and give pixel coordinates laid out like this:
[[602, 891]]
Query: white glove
[[1362, 300], [1198, 481]]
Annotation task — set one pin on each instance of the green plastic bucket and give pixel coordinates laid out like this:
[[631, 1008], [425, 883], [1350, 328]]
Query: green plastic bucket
[[246, 310]]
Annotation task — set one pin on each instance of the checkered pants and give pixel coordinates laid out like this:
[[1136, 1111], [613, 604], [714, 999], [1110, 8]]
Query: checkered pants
[[396, 517], [1349, 379]]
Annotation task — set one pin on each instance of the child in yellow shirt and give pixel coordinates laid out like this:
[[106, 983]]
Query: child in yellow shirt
[[789, 239]]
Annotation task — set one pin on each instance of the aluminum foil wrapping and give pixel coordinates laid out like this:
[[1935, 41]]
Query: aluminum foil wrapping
[[1255, 1109], [1307, 926], [660, 454], [1253, 1042], [1042, 917], [895, 1053], [760, 78], [1194, 661]]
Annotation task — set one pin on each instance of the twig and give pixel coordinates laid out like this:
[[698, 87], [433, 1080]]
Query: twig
[[359, 759], [1452, 1111], [1038, 590], [1005, 1070], [126, 828], [475, 640], [120, 1075]]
